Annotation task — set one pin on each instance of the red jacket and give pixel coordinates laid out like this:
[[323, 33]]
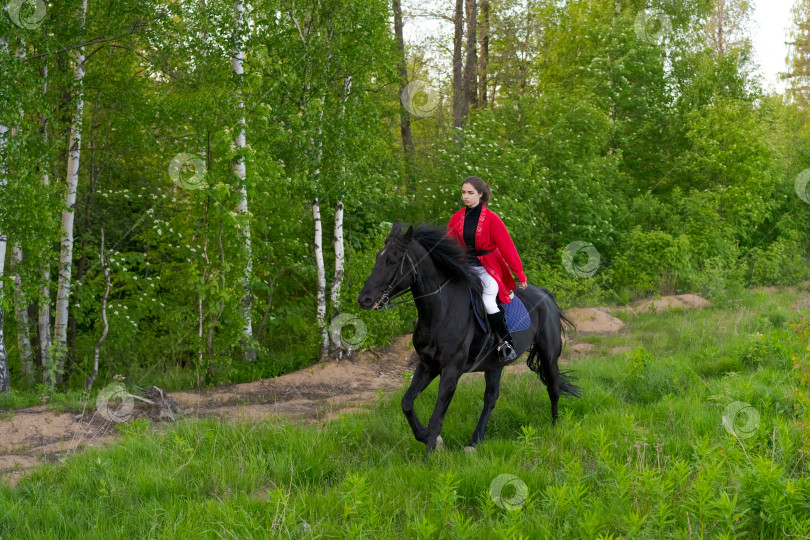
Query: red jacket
[[491, 234]]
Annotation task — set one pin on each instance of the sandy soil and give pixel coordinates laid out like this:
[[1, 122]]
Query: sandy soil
[[29, 437]]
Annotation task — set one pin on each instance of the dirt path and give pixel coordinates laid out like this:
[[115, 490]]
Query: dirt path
[[29, 437]]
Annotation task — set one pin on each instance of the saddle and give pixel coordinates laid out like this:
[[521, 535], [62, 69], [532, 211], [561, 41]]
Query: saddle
[[517, 319], [517, 316]]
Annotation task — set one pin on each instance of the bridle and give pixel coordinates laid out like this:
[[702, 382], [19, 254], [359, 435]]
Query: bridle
[[383, 301]]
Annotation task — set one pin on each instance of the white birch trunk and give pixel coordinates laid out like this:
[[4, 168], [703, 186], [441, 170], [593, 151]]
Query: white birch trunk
[[321, 290], [338, 278], [237, 60], [318, 247], [53, 372], [338, 238], [5, 383], [45, 300], [339, 257]]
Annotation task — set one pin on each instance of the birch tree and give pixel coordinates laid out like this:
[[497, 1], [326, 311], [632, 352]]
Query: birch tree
[[317, 249], [237, 61], [53, 372], [5, 383], [44, 315]]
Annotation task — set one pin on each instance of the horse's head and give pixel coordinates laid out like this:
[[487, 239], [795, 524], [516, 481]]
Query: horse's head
[[392, 272]]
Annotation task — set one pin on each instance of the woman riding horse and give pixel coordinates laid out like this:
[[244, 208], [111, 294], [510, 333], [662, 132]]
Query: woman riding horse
[[447, 338], [491, 253]]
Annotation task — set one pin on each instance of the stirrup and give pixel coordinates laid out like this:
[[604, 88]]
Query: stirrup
[[507, 350]]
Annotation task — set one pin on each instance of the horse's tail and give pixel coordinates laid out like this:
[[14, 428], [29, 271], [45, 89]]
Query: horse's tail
[[547, 347]]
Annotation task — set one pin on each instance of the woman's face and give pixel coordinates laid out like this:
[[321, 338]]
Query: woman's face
[[470, 195]]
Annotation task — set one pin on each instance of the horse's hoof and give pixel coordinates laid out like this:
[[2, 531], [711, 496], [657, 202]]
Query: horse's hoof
[[469, 449], [439, 443]]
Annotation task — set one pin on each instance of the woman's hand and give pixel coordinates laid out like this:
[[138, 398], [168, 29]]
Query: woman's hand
[[523, 285]]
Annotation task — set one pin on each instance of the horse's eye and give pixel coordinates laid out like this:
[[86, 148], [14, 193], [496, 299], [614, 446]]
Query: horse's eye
[[391, 263]]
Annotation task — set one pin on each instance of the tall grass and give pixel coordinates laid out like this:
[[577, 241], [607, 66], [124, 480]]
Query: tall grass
[[644, 454]]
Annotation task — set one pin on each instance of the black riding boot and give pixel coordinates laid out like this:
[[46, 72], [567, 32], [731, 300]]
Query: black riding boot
[[497, 322]]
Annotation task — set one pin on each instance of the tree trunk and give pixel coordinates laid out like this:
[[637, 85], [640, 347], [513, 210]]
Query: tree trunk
[[338, 238], [44, 318], [404, 115], [321, 290], [5, 383], [458, 82], [470, 83], [483, 60], [53, 372], [97, 350], [21, 314], [339, 256], [237, 60]]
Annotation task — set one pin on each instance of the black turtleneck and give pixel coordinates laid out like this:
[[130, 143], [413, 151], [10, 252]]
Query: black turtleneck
[[471, 216]]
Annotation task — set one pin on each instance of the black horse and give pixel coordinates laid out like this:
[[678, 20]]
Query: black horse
[[447, 337]]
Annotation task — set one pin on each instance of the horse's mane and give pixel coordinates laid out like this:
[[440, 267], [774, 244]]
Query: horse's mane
[[446, 254]]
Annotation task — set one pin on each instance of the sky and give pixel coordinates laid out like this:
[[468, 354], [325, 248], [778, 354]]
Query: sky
[[770, 25]]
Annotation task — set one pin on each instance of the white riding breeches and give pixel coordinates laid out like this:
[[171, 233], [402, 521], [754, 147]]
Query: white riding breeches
[[490, 289]]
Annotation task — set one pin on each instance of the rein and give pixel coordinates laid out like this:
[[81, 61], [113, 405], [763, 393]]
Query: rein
[[385, 299]]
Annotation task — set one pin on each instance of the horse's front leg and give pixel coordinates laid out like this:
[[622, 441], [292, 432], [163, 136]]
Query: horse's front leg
[[493, 379], [422, 377], [447, 387]]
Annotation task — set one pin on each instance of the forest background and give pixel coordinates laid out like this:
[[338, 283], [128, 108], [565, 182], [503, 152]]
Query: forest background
[[193, 193]]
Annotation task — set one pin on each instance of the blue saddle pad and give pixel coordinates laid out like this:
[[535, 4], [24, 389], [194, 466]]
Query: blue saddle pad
[[517, 316]]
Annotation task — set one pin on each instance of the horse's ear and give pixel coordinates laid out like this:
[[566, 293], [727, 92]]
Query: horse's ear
[[396, 228], [409, 233]]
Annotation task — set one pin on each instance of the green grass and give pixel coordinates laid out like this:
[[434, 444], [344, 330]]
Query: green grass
[[642, 455]]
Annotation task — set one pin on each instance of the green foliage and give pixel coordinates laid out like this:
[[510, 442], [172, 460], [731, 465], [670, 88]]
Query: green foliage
[[666, 156], [780, 263], [652, 261]]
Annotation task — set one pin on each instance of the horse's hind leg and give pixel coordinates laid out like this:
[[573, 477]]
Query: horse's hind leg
[[493, 379], [422, 377]]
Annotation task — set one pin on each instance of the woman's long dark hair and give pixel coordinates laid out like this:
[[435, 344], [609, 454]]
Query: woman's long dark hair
[[446, 254]]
